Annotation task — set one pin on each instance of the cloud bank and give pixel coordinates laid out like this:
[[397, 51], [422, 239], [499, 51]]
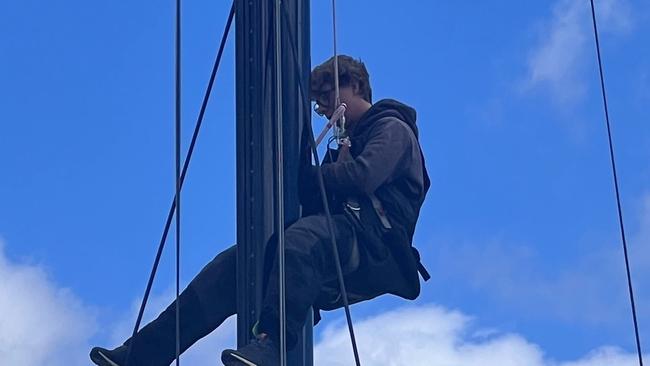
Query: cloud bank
[[433, 336], [566, 46], [45, 324], [41, 323]]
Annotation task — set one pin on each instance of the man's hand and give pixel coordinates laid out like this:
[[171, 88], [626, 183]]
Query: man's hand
[[344, 153]]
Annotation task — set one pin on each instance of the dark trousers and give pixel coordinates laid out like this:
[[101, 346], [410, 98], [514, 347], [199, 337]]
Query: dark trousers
[[210, 298]]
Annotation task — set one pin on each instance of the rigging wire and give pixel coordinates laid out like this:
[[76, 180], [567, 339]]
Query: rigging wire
[[279, 182], [323, 192], [616, 188], [177, 152], [188, 158]]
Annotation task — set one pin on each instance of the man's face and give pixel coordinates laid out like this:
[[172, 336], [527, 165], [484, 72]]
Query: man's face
[[325, 101]]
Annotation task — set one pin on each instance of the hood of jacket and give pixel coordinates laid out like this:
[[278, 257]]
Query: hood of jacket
[[386, 108]]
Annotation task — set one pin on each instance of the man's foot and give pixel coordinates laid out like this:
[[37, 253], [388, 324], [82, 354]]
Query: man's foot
[[260, 352], [103, 357]]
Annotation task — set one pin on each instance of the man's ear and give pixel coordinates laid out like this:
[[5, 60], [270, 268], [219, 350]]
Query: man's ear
[[355, 88]]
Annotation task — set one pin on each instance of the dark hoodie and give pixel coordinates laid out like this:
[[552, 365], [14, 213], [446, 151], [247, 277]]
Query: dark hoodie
[[387, 162]]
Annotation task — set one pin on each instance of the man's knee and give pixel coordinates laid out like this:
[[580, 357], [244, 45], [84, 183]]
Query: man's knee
[[223, 260], [312, 227], [306, 235], [216, 275]]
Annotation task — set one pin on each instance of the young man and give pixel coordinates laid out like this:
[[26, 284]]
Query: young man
[[376, 187]]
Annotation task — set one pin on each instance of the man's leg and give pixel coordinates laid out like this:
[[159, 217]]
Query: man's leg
[[309, 263], [207, 301]]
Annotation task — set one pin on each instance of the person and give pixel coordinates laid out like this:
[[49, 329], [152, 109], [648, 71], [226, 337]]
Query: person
[[376, 186]]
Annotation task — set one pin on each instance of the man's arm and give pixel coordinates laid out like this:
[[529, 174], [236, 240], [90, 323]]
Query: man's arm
[[380, 160]]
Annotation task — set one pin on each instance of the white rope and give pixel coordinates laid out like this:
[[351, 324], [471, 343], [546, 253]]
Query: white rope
[[338, 114], [339, 128]]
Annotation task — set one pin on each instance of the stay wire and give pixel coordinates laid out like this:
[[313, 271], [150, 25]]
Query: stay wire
[[279, 182], [323, 192], [616, 186], [177, 151], [188, 158]]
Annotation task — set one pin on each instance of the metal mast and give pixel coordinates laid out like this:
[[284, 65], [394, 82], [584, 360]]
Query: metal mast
[[257, 133]]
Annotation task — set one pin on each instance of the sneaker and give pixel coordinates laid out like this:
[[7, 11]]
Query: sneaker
[[103, 357], [260, 352]]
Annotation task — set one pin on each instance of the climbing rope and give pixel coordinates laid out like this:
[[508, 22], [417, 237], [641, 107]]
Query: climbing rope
[[339, 114], [321, 184], [618, 196], [341, 139], [339, 128], [188, 158]]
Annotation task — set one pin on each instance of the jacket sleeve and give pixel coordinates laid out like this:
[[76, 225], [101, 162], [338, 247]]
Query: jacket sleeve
[[381, 159]]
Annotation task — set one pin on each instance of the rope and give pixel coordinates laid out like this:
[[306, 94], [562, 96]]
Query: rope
[[618, 197], [337, 95], [323, 192], [177, 151], [339, 128], [279, 183], [339, 114], [188, 158], [341, 136]]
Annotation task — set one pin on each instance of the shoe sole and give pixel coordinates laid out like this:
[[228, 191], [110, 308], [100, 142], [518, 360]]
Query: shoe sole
[[104, 359], [239, 358]]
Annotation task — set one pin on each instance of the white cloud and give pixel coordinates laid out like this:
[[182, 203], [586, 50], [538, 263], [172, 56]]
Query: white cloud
[[431, 335], [606, 356], [123, 327], [41, 323], [207, 351], [566, 45]]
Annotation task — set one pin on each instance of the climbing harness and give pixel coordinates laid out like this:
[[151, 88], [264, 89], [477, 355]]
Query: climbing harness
[[615, 177]]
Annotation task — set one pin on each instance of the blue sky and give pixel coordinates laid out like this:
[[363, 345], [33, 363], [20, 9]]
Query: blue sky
[[519, 229]]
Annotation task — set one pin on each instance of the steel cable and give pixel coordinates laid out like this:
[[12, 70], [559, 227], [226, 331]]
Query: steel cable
[[177, 155], [616, 188], [323, 192], [279, 182]]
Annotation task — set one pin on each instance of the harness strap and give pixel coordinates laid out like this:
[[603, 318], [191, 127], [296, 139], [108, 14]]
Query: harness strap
[[379, 209], [421, 269], [354, 207]]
